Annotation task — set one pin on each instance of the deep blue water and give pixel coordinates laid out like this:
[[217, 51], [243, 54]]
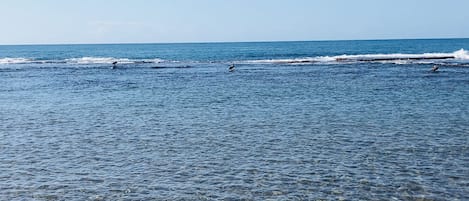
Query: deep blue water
[[332, 120]]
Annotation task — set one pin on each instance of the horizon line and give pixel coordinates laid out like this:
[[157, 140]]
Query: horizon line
[[208, 42]]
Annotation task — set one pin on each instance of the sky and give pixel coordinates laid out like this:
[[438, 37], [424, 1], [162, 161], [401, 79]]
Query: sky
[[168, 21]]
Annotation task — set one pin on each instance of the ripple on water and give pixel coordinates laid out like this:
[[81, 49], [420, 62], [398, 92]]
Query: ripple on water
[[280, 134]]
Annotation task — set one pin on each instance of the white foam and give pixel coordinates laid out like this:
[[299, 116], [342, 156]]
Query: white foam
[[82, 60], [96, 60], [19, 60], [110, 60], [266, 61], [397, 58], [155, 60], [461, 54]]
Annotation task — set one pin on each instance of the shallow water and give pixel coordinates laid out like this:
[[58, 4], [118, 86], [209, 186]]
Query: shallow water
[[359, 131]]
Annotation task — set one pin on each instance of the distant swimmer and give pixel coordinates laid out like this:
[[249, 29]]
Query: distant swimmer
[[435, 68], [114, 64], [231, 68]]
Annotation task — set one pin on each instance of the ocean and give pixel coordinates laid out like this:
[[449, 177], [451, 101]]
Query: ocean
[[319, 120]]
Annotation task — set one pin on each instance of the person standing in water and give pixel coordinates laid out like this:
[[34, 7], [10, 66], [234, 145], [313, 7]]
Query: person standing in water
[[114, 64]]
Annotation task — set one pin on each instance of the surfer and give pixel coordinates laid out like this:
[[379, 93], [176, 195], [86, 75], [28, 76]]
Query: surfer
[[231, 68], [435, 68], [114, 64]]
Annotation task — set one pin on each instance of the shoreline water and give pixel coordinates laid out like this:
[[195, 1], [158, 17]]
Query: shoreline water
[[350, 130]]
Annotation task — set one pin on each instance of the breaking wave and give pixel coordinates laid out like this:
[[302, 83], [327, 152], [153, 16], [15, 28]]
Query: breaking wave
[[96, 60], [8, 60], [82, 60], [460, 56]]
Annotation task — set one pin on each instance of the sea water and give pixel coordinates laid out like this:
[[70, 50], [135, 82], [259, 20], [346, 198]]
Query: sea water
[[328, 120]]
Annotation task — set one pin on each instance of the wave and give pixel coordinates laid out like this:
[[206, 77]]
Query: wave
[[110, 60], [460, 56], [19, 60], [96, 60], [82, 60]]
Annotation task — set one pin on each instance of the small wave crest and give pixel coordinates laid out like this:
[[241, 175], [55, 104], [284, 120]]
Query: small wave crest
[[397, 58], [20, 60], [461, 54], [96, 60], [82, 60], [110, 60]]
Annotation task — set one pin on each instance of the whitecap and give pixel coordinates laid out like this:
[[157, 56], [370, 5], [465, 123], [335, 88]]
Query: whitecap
[[96, 60], [19, 60], [397, 58]]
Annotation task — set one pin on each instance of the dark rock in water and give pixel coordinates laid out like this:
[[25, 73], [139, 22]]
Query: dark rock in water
[[114, 65], [231, 68]]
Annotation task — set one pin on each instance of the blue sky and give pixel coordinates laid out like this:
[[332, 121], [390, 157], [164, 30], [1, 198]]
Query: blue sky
[[143, 21]]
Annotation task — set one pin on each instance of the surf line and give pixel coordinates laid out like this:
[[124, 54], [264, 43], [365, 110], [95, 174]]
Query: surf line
[[397, 58]]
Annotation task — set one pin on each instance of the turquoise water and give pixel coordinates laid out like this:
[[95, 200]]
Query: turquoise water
[[352, 120]]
